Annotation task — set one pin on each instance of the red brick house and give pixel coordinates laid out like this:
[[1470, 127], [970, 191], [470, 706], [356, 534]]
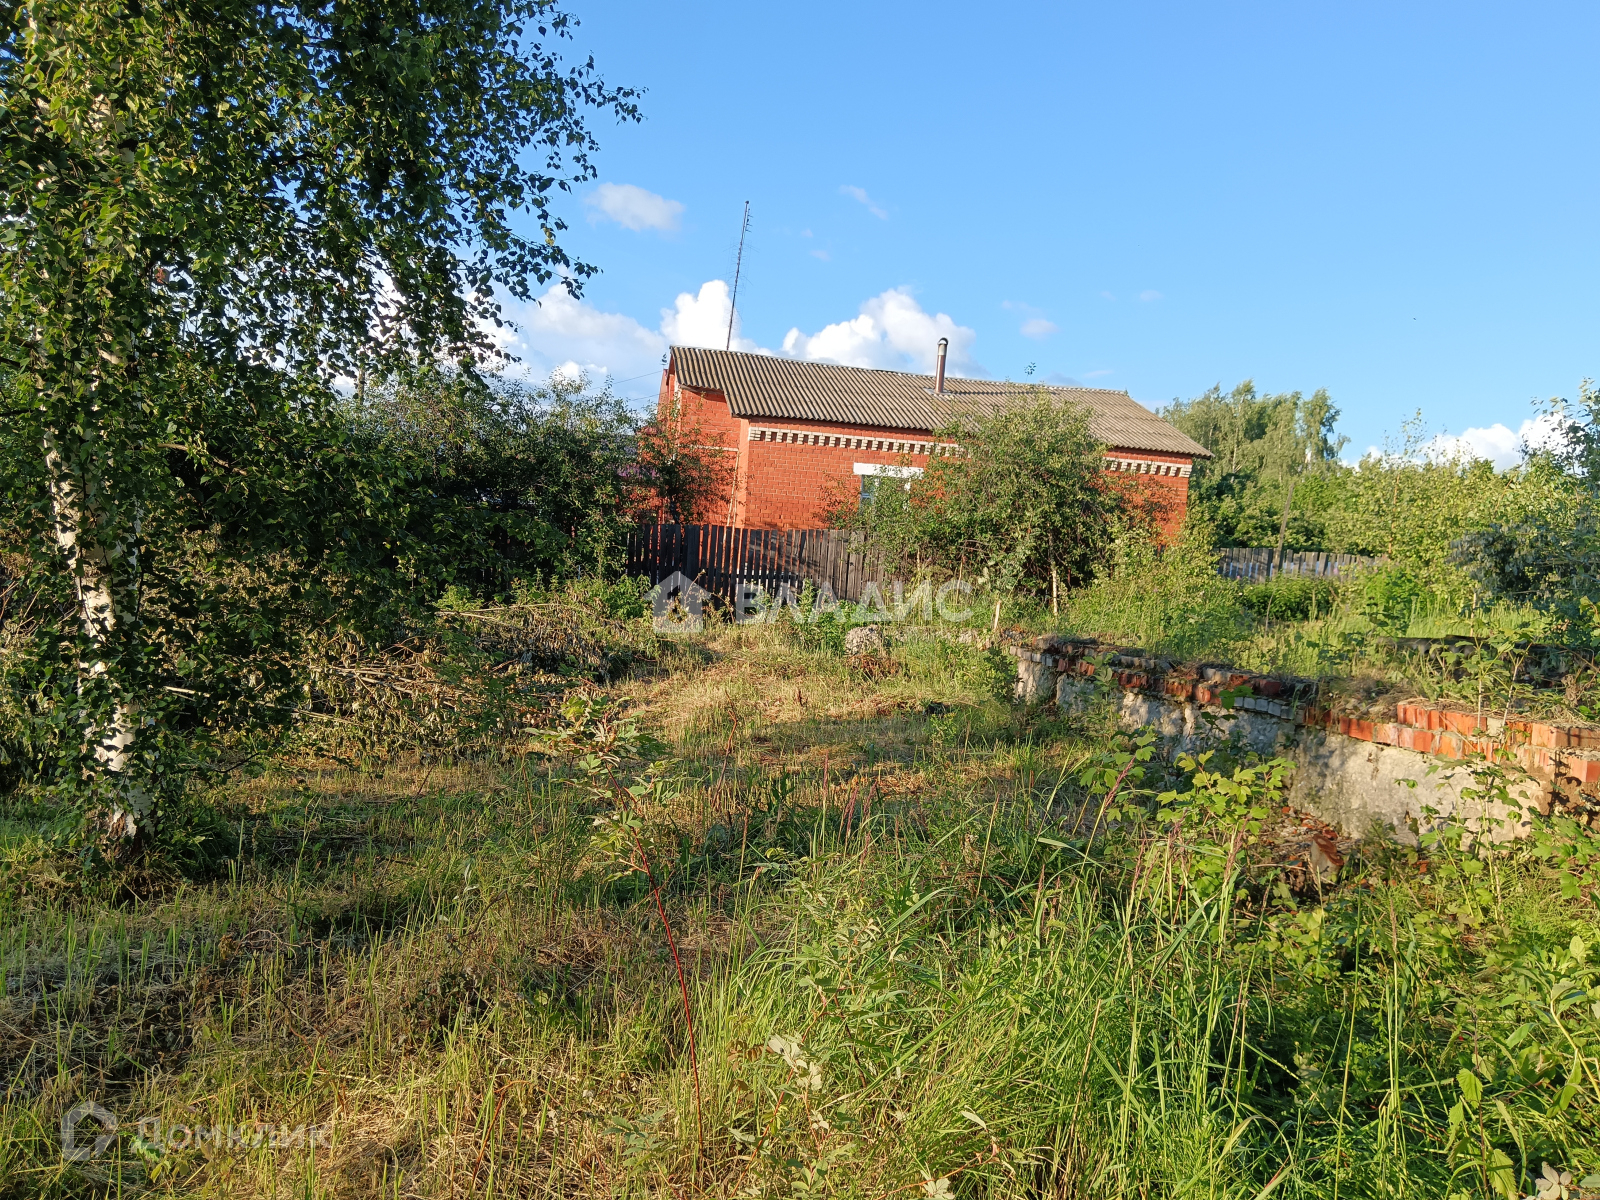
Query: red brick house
[[799, 431]]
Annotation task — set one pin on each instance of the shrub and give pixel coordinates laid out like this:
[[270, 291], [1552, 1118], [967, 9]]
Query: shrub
[[1390, 596], [1026, 504], [620, 599], [1291, 598], [818, 628], [1170, 601]]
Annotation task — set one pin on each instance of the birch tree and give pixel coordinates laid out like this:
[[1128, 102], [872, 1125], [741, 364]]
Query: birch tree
[[251, 201]]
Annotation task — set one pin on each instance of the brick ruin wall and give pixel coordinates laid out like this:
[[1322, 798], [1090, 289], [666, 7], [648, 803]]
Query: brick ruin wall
[[1351, 770]]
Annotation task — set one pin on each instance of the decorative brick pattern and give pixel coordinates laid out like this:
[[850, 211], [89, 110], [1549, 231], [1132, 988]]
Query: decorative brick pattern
[[804, 437], [1149, 466]]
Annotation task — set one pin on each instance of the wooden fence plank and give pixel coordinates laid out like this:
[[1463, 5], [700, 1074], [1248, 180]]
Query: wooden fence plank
[[1256, 564], [721, 559]]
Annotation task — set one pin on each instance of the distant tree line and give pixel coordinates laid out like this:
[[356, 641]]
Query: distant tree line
[[1281, 453], [1452, 524]]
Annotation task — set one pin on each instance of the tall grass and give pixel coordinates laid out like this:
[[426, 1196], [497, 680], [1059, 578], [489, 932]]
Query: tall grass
[[1350, 634], [911, 973], [1169, 601]]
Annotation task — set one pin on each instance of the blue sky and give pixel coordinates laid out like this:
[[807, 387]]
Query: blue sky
[[1395, 202]]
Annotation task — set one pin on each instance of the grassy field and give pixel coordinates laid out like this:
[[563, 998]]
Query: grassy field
[[917, 942]]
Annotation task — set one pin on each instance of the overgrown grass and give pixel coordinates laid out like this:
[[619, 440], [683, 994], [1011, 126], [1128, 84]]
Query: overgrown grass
[[911, 972], [1380, 632], [1169, 602]]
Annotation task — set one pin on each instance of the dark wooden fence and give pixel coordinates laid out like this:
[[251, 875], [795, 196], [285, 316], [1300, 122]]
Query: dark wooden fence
[[1258, 565], [719, 557]]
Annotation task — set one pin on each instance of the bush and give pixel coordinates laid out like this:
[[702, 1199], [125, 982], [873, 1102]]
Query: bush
[[1291, 598], [1170, 601], [1027, 504], [818, 628], [497, 479], [620, 599], [1391, 597]]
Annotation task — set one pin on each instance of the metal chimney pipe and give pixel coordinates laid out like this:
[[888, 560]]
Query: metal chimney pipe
[[938, 369]]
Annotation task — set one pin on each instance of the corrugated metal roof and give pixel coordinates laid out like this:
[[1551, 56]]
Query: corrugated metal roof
[[763, 385]]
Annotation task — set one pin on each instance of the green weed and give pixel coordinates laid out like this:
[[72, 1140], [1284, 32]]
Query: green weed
[[925, 953]]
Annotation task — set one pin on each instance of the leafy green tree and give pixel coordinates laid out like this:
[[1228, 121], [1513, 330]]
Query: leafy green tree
[[1410, 504], [213, 211], [1458, 533], [1534, 537], [1272, 452], [503, 478], [1533, 561], [1026, 503], [1575, 445]]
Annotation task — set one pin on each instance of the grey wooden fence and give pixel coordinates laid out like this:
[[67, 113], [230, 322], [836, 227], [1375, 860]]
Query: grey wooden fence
[[720, 557], [1258, 565]]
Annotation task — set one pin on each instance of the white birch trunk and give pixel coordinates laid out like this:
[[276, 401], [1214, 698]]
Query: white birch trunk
[[95, 567]]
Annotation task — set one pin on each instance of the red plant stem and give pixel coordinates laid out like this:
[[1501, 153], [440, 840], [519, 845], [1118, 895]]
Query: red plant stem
[[1112, 794], [1106, 803], [683, 987]]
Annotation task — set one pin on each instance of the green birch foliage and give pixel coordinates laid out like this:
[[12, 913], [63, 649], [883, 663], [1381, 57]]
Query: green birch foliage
[[214, 212], [1261, 442]]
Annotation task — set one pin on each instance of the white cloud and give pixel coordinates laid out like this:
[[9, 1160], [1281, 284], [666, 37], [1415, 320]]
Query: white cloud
[[822, 254], [891, 332], [571, 370], [567, 337], [563, 336], [572, 336], [1496, 442], [702, 320], [860, 194], [633, 207], [1152, 294], [1035, 324], [1097, 374]]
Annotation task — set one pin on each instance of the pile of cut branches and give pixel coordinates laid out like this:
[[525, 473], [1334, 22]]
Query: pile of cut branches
[[474, 683]]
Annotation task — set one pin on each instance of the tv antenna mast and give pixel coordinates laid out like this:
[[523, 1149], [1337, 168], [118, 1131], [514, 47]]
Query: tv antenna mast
[[733, 304]]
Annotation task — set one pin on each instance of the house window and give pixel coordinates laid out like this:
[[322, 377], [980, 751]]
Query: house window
[[873, 473]]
